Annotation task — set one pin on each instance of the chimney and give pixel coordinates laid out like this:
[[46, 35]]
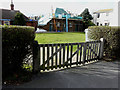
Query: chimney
[[12, 5]]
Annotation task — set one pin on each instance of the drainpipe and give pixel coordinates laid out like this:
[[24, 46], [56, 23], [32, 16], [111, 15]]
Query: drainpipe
[[66, 23]]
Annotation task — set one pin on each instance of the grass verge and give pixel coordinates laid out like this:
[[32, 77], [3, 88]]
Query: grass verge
[[63, 37]]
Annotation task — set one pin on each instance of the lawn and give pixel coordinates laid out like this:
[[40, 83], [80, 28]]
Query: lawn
[[61, 37]]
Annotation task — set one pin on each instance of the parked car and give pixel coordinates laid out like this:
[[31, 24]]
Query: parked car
[[40, 30]]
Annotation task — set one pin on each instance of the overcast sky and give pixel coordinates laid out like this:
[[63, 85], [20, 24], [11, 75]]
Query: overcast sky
[[38, 7]]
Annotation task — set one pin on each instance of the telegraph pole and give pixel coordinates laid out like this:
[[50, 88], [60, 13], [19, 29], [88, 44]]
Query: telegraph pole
[[54, 19]]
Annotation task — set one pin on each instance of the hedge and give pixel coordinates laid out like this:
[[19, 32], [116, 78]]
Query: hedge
[[111, 34], [16, 44]]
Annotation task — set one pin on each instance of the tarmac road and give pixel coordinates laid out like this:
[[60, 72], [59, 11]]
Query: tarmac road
[[101, 74]]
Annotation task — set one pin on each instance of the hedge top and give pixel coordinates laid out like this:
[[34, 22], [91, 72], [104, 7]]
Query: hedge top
[[101, 27], [16, 26], [111, 34]]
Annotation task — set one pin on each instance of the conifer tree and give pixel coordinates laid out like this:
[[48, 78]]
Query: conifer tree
[[87, 17], [19, 19]]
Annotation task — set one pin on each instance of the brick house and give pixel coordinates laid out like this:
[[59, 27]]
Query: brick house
[[7, 17], [57, 22], [74, 25]]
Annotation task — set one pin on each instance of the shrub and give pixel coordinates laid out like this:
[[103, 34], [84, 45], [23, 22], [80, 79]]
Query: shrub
[[111, 36], [88, 23], [19, 19], [16, 44]]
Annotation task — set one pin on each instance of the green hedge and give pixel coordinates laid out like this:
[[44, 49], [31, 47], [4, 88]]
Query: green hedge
[[111, 36], [16, 44]]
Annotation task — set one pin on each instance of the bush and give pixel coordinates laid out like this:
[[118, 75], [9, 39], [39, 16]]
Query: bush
[[19, 19], [111, 36], [16, 44], [88, 23]]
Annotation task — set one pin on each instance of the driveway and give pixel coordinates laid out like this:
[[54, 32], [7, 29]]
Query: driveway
[[101, 74]]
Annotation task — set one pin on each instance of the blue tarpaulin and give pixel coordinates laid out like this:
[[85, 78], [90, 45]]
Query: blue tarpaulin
[[32, 20], [4, 19]]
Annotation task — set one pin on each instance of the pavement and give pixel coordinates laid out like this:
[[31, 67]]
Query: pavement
[[100, 74]]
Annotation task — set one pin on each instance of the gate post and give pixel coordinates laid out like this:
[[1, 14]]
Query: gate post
[[36, 57], [84, 53], [101, 48], [86, 35]]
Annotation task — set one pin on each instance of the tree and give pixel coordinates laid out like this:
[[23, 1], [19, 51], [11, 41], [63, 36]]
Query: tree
[[87, 17], [19, 19]]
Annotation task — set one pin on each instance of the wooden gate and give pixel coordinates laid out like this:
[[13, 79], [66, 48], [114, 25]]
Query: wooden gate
[[65, 55]]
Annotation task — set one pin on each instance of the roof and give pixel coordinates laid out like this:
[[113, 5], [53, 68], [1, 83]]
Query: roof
[[10, 14], [63, 13], [104, 11], [72, 19], [60, 11]]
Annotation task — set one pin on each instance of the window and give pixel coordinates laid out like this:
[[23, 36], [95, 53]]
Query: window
[[0, 22], [107, 14], [6, 22], [106, 24], [64, 25], [58, 24], [51, 23], [70, 24], [98, 15], [97, 23]]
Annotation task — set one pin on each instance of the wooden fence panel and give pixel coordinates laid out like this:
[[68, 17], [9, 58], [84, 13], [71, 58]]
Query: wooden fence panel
[[52, 57], [62, 55], [71, 55], [77, 55], [67, 54], [56, 58], [60, 58], [48, 57], [43, 58], [80, 55]]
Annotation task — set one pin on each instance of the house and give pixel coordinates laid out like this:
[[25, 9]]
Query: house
[[7, 17], [61, 21], [107, 17], [73, 25], [102, 17]]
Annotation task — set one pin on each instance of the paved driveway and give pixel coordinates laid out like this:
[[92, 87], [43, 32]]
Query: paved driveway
[[96, 75]]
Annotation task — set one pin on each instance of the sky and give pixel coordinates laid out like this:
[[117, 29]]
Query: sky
[[38, 7]]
